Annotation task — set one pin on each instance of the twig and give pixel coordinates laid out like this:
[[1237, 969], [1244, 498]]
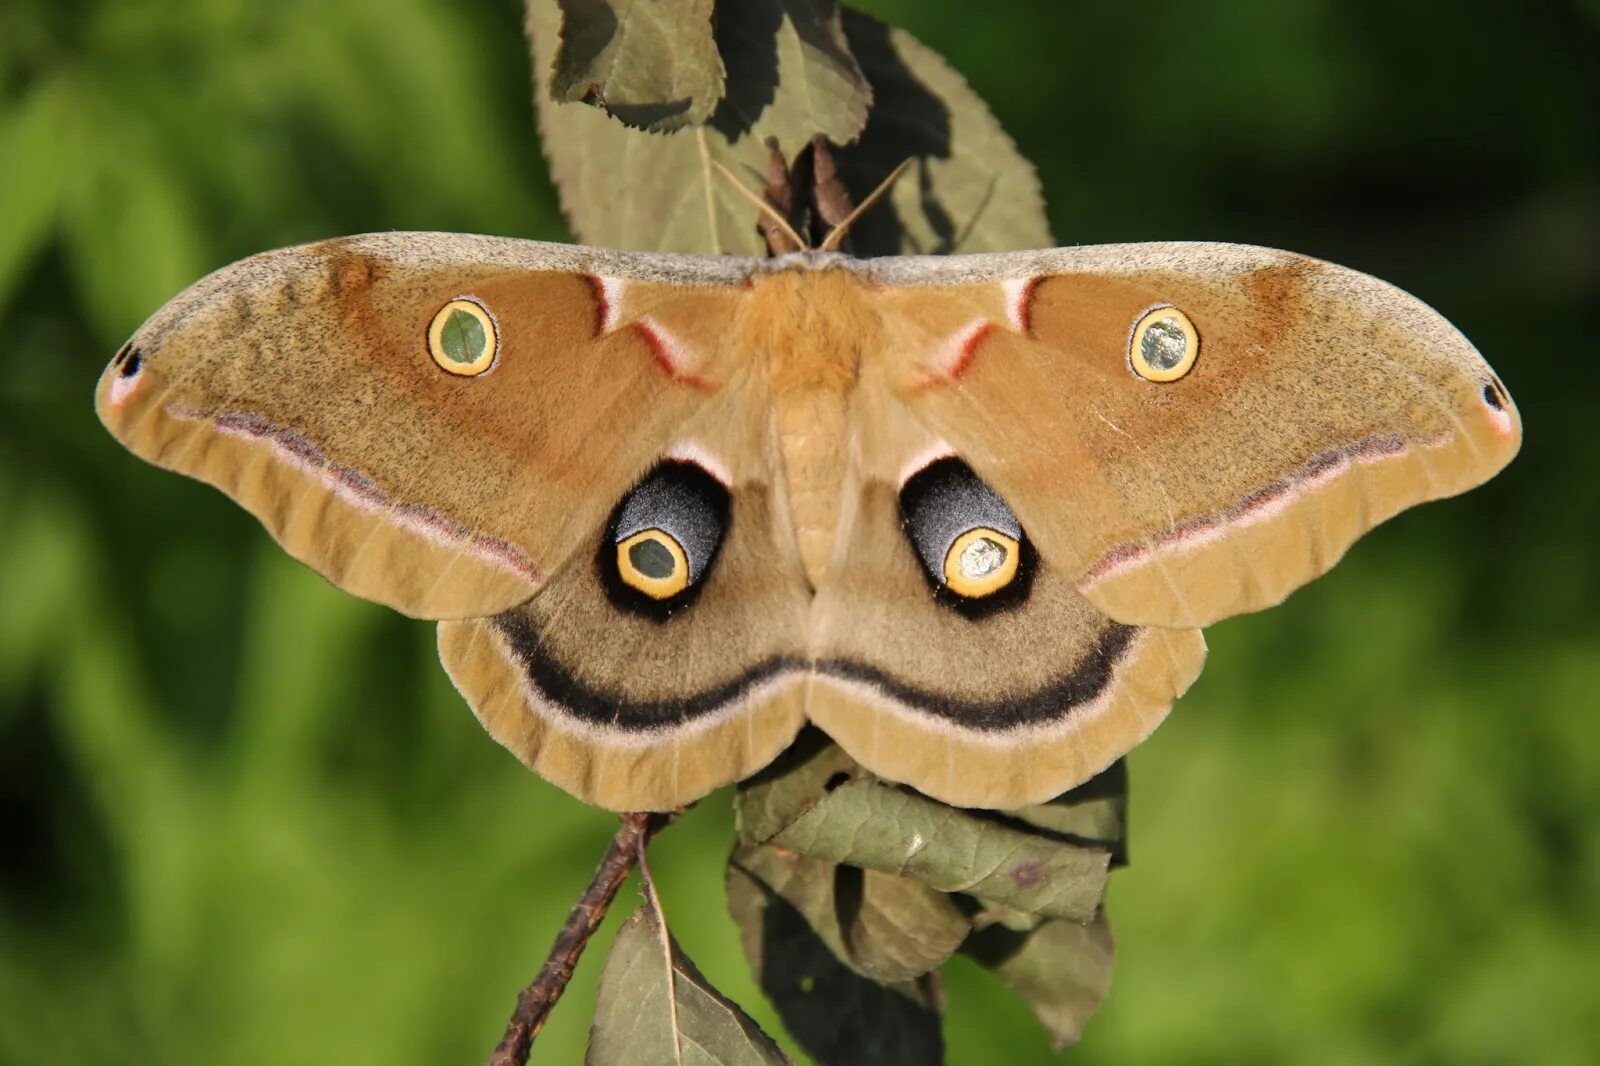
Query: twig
[[535, 1002]]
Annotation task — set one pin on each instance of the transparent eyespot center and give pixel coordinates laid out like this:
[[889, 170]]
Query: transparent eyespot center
[[654, 563], [652, 559], [981, 558], [1164, 343], [982, 561], [462, 338]]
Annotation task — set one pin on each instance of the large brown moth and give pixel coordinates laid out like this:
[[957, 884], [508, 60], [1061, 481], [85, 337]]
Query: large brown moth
[[968, 514]]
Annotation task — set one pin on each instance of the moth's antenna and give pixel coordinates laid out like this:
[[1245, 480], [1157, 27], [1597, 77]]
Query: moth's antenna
[[761, 204], [837, 234]]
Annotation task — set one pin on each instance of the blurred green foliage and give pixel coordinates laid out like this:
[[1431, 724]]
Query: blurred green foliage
[[247, 820]]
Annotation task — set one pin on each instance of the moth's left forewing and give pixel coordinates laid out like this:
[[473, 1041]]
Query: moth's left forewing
[[309, 383], [1318, 403]]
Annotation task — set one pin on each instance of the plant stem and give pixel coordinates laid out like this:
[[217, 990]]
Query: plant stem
[[534, 1003]]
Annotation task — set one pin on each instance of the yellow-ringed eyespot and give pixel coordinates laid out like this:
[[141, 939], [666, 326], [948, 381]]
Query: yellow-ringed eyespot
[[969, 542], [1163, 344], [463, 338], [653, 562], [663, 538], [980, 562]]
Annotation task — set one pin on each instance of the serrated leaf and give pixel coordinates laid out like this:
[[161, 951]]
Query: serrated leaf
[[624, 188], [813, 803], [790, 73], [652, 64], [968, 190], [649, 1012], [1061, 969], [840, 1017]]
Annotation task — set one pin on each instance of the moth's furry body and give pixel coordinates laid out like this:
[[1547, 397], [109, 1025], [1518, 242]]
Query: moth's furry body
[[309, 384], [809, 332]]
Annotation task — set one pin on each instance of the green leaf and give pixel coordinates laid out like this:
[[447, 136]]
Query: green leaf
[[840, 1017], [1061, 969], [1095, 813], [969, 189], [652, 64], [813, 803], [790, 73], [788, 77], [896, 929], [655, 1007], [886, 928]]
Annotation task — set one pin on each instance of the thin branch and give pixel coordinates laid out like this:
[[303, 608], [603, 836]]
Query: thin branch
[[535, 1002]]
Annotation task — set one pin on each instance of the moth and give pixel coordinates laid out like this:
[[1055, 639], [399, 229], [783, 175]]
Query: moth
[[968, 514]]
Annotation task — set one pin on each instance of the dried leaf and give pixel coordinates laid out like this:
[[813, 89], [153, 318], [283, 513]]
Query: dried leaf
[[650, 63], [648, 1013], [838, 1016], [792, 75], [1061, 969], [816, 802]]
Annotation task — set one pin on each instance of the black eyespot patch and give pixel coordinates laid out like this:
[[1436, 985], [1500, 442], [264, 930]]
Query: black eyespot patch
[[972, 548], [663, 538]]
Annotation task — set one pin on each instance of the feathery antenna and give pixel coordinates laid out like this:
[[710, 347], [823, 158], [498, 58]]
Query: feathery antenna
[[836, 236], [761, 204]]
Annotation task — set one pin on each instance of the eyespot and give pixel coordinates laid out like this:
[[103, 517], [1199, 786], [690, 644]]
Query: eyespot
[[653, 562], [970, 543], [981, 561], [463, 339], [664, 536], [1163, 345]]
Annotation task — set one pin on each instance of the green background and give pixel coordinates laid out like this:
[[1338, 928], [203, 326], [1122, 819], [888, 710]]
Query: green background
[[246, 819]]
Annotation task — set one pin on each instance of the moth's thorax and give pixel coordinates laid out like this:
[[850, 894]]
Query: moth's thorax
[[811, 329]]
